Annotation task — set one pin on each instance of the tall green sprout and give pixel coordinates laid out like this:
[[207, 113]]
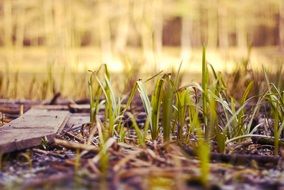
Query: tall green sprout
[[112, 104], [276, 100], [156, 104], [162, 97], [167, 106], [94, 94], [204, 85], [182, 107]]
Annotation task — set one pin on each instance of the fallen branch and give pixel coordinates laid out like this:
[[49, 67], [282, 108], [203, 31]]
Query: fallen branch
[[69, 134], [266, 140], [74, 145], [239, 159], [51, 153]]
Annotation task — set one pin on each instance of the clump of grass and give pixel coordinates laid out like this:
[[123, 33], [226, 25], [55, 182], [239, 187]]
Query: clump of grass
[[275, 99], [114, 111], [199, 113], [204, 85], [148, 108], [167, 105], [156, 104], [181, 106], [161, 104], [103, 87]]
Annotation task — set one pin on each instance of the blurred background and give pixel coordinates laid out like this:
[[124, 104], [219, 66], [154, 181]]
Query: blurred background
[[49, 45]]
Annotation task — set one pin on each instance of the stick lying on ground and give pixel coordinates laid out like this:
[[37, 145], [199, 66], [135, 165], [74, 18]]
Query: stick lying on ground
[[74, 145], [266, 140], [239, 159]]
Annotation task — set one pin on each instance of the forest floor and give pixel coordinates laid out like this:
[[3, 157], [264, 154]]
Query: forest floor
[[70, 163]]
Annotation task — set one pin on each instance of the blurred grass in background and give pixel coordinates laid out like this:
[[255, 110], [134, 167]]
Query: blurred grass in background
[[48, 45]]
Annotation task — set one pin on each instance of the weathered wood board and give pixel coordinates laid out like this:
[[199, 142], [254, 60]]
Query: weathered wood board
[[30, 129], [77, 119]]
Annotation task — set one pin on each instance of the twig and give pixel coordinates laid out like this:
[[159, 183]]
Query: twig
[[266, 140], [74, 145], [93, 167], [73, 136], [48, 153], [124, 160], [240, 159]]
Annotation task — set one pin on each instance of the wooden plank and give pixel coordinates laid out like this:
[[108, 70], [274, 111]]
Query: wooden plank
[[77, 119], [30, 129]]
